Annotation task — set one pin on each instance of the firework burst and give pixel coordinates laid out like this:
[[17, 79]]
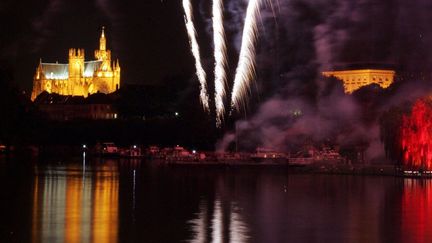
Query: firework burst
[[201, 74], [245, 71], [220, 60]]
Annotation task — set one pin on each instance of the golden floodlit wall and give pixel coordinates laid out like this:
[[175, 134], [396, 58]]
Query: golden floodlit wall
[[355, 79], [79, 77]]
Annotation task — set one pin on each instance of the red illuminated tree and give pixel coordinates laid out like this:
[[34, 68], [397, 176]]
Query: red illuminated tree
[[416, 136]]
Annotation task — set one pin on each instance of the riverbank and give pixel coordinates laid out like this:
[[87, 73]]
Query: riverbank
[[316, 168]]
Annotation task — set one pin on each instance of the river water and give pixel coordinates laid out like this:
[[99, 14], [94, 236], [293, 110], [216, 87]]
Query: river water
[[85, 200]]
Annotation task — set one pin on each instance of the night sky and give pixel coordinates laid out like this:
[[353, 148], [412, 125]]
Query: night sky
[[147, 37], [297, 38]]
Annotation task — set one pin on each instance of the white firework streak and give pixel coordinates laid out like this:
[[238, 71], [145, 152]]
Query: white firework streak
[[220, 60], [187, 6], [245, 71]]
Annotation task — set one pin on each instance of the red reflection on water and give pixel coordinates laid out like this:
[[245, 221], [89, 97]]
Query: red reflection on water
[[417, 211], [416, 135]]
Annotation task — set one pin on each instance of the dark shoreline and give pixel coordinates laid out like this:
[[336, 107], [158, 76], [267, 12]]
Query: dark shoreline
[[328, 168]]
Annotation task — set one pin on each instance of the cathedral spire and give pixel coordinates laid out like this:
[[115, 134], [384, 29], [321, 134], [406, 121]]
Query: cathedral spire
[[102, 40]]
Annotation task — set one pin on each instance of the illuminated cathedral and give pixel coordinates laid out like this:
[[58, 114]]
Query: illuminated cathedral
[[79, 77]]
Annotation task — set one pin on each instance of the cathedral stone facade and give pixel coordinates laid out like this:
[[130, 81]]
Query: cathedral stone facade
[[79, 77]]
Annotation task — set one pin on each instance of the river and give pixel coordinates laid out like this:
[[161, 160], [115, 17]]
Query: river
[[94, 200]]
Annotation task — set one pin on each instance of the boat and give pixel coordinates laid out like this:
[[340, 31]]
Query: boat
[[134, 151], [266, 155], [108, 149]]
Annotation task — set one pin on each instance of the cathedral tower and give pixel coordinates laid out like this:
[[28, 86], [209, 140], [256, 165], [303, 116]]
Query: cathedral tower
[[76, 63], [76, 70], [103, 54]]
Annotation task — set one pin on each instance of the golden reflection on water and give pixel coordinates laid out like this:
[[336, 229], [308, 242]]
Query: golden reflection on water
[[71, 205], [105, 209], [73, 210]]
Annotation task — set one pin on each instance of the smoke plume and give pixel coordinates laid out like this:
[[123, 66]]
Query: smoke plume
[[299, 39]]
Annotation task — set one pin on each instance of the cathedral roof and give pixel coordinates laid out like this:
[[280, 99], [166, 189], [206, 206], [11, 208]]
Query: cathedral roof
[[90, 67], [55, 70], [61, 71]]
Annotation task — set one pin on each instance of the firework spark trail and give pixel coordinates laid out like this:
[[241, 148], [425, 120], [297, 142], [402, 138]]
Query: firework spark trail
[[187, 6], [245, 71], [273, 8], [220, 60]]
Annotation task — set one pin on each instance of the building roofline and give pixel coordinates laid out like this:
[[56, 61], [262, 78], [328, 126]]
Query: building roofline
[[56, 63]]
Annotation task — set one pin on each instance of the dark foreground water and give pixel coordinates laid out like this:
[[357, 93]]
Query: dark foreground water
[[71, 200]]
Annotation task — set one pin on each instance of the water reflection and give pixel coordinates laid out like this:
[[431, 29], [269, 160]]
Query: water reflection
[[223, 219], [127, 201], [219, 219], [273, 207], [76, 204], [198, 225], [417, 211], [238, 227]]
